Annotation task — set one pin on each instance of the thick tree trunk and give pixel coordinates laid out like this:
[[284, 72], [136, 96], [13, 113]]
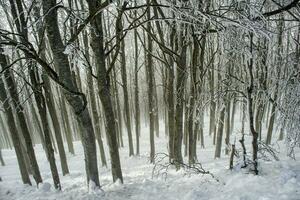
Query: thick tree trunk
[[181, 76], [97, 44], [79, 107]]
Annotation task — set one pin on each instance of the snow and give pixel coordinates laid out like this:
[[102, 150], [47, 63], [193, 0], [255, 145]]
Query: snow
[[69, 48], [278, 180], [45, 187]]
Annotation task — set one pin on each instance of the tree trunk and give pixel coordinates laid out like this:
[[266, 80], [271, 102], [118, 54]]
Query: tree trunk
[[97, 44], [220, 132], [227, 125], [156, 113], [126, 98], [171, 106], [41, 104], [117, 109], [271, 125], [136, 95], [14, 133], [77, 103], [13, 93], [181, 76], [95, 116], [250, 109], [57, 129], [66, 123], [1, 158], [150, 75], [193, 97], [279, 64]]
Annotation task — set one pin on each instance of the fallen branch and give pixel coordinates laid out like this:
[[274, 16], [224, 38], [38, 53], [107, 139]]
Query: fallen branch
[[162, 166]]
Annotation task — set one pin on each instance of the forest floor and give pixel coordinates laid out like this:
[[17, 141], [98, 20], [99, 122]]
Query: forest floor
[[277, 180]]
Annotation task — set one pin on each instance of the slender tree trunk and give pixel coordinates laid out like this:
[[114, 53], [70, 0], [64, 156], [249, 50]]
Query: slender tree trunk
[[233, 111], [67, 125], [212, 110], [279, 63], [156, 114], [250, 109], [52, 110], [220, 132], [171, 104], [227, 125], [13, 93], [57, 129], [118, 110], [193, 96], [271, 125], [41, 104], [136, 95], [12, 124], [5, 134], [126, 98], [13, 132], [95, 116], [150, 75], [1, 158], [201, 132]]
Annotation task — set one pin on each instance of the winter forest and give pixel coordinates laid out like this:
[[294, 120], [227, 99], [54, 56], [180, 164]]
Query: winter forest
[[150, 99]]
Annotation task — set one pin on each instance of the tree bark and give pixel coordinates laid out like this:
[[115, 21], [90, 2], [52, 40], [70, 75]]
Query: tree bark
[[14, 133], [41, 104], [13, 93], [1, 158], [97, 44], [126, 98], [181, 76], [150, 75], [77, 103], [136, 94], [220, 132], [95, 115], [193, 97]]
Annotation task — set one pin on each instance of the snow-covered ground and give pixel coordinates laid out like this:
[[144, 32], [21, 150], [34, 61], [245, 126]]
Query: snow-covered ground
[[277, 179]]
